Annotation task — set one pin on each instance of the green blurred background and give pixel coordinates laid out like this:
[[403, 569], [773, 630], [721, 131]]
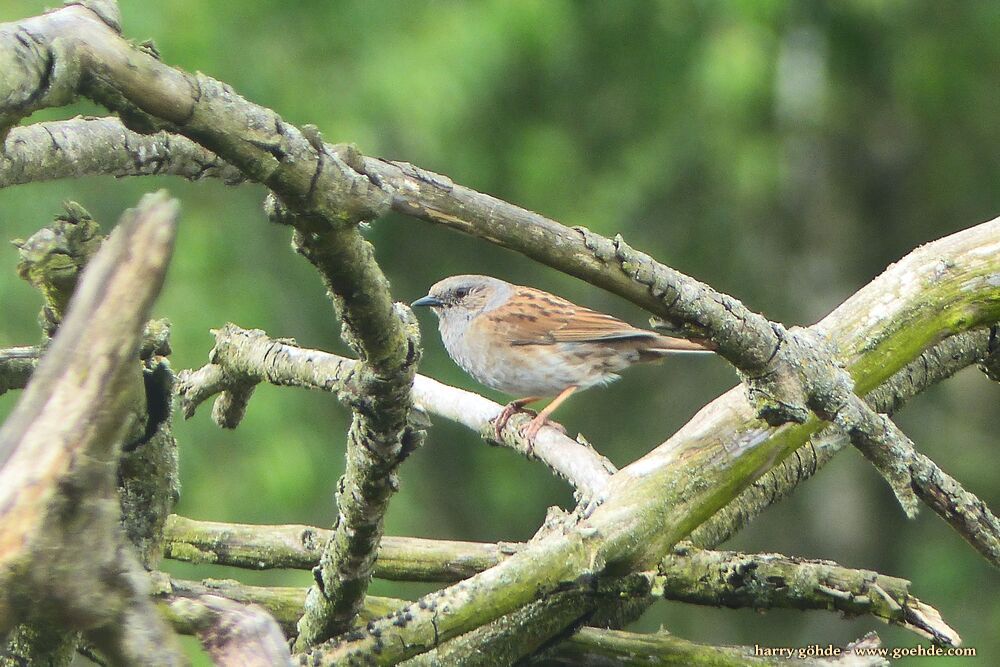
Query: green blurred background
[[783, 152]]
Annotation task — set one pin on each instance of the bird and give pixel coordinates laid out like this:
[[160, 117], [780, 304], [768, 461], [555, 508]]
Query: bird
[[529, 343]]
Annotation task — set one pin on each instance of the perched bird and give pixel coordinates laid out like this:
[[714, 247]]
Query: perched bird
[[529, 343]]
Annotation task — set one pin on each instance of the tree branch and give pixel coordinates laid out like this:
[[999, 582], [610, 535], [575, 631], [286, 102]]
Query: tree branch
[[430, 190], [932, 366], [58, 455], [912, 474], [797, 369], [242, 358], [103, 146], [78, 49], [260, 547], [433, 189], [768, 581], [692, 474], [386, 339]]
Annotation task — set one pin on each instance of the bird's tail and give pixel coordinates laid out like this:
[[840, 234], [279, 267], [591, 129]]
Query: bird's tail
[[664, 345]]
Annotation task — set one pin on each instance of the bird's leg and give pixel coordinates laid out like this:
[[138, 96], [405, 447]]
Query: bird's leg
[[509, 410], [531, 430]]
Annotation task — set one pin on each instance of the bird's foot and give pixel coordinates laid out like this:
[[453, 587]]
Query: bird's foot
[[509, 411], [532, 428]]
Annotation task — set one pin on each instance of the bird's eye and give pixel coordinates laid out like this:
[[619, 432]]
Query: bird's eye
[[461, 292]]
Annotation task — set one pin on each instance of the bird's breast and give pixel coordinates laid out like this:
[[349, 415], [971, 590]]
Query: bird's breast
[[526, 370]]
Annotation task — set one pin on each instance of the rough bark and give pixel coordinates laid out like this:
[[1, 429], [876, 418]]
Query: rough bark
[[63, 558]]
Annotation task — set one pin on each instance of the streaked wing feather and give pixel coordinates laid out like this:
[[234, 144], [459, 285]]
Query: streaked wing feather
[[565, 322]]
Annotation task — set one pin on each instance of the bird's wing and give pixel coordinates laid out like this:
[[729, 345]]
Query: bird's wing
[[535, 317]]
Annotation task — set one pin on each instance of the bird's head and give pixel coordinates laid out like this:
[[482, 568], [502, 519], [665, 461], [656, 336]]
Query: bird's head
[[464, 297]]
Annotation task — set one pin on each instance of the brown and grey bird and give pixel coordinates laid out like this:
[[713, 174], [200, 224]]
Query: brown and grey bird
[[529, 343]]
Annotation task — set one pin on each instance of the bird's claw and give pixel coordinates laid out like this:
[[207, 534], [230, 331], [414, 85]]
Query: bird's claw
[[531, 429], [509, 410]]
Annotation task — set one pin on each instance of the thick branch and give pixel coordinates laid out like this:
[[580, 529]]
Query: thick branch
[[386, 339], [932, 366], [52, 260], [264, 547], [508, 639], [242, 358], [58, 455], [768, 581]]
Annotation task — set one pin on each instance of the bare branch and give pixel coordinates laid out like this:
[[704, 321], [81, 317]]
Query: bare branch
[[18, 363], [512, 637], [386, 338], [58, 456], [431, 191], [78, 50], [259, 547], [932, 366], [103, 146], [854, 425], [767, 581], [743, 337], [913, 474], [68, 45], [242, 358], [655, 501]]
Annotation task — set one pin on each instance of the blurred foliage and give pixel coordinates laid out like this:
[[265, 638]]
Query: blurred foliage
[[783, 152]]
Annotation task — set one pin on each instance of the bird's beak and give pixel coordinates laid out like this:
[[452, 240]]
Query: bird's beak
[[427, 301]]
